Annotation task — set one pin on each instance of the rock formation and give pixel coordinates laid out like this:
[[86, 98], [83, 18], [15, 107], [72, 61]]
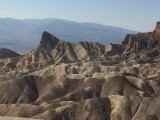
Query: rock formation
[[157, 29], [143, 40], [59, 80]]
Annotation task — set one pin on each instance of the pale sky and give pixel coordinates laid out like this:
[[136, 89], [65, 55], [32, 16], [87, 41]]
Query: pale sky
[[139, 15]]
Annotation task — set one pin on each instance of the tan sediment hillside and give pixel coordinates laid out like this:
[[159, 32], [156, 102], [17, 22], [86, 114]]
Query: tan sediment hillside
[[16, 118], [59, 80]]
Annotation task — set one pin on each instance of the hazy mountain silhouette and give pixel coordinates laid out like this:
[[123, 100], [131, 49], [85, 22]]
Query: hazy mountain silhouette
[[23, 35]]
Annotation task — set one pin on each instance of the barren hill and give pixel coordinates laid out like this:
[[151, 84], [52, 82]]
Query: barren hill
[[59, 80], [6, 53]]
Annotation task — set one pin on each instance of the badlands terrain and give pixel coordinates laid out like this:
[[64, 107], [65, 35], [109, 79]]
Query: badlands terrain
[[59, 80]]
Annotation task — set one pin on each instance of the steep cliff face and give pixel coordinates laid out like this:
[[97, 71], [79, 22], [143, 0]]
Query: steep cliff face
[[142, 41]]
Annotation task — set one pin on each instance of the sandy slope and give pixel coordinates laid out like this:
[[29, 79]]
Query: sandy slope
[[16, 118]]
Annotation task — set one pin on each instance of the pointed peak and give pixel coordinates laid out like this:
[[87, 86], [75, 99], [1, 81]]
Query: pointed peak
[[48, 39], [45, 33], [157, 29], [47, 36]]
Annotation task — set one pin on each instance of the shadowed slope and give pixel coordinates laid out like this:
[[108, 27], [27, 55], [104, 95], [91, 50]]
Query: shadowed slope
[[6, 53]]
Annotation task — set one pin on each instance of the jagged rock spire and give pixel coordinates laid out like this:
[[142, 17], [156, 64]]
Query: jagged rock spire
[[48, 40], [157, 29]]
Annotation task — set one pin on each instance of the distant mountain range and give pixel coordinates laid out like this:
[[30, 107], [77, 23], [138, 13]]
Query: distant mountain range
[[23, 35]]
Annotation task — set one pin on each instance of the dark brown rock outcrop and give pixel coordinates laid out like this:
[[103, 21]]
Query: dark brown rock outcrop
[[142, 41], [113, 49]]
